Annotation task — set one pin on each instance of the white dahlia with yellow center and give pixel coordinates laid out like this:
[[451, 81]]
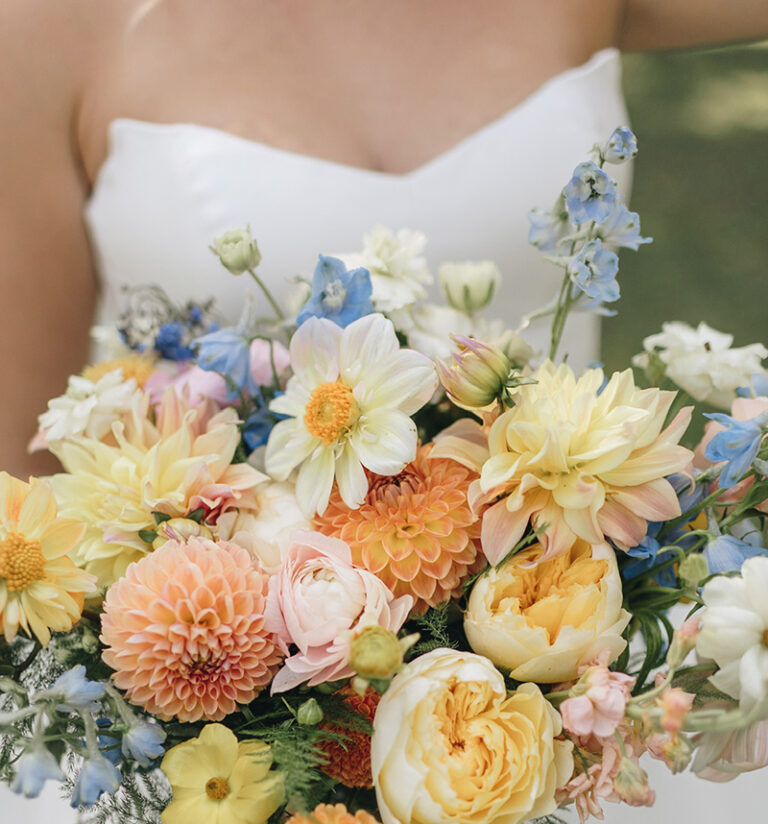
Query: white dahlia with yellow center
[[349, 404]]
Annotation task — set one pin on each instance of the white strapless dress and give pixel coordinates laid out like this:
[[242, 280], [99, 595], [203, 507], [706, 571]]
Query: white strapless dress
[[166, 190]]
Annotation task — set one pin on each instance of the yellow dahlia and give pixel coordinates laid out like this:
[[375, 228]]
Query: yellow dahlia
[[581, 463], [184, 631], [217, 779], [175, 464], [41, 589], [414, 530]]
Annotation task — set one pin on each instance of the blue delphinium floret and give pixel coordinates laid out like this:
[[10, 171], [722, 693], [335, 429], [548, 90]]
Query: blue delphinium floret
[[620, 146], [621, 229], [337, 294], [725, 553], [170, 342], [75, 691], [143, 742], [97, 775], [645, 557], [549, 228], [35, 766], [737, 444], [227, 352], [594, 271], [590, 194], [758, 387]]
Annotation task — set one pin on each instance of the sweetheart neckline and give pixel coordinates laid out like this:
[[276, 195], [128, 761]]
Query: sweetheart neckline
[[596, 61]]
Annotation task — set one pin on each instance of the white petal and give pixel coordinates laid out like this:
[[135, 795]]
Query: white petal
[[315, 481], [754, 571], [753, 674], [363, 343], [385, 441], [315, 352], [288, 445], [351, 478], [405, 382]]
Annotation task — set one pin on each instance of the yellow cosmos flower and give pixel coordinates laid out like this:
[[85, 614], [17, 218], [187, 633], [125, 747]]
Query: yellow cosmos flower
[[449, 744], [587, 463], [41, 589], [174, 462], [543, 620], [217, 780]]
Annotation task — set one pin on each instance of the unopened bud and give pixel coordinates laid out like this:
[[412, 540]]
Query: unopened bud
[[180, 530], [683, 641], [309, 713], [678, 752], [375, 653], [631, 784], [469, 287], [476, 375], [237, 251], [693, 569]]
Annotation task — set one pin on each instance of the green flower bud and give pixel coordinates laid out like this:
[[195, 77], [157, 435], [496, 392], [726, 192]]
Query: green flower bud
[[693, 569], [237, 251], [469, 287], [309, 713], [375, 653]]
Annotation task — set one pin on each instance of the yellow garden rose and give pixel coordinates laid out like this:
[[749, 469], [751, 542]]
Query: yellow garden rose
[[541, 621], [449, 744]]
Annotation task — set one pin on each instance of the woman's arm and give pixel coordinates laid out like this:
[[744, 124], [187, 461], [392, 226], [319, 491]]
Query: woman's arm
[[670, 24], [47, 281]]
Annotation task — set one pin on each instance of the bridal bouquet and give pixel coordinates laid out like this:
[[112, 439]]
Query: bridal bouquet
[[373, 559]]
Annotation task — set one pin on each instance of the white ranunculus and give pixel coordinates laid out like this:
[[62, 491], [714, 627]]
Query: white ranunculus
[[87, 408], [703, 362], [469, 286], [397, 266], [451, 744], [734, 632]]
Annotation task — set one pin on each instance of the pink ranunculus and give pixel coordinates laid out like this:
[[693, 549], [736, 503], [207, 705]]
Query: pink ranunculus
[[742, 409], [317, 601], [262, 359], [196, 381], [599, 709]]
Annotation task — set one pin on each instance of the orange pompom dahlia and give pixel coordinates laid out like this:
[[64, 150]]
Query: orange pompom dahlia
[[184, 630], [414, 530], [332, 814], [350, 762]]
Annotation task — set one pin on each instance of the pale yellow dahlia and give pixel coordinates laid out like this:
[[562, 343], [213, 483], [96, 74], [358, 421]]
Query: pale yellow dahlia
[[217, 779], [41, 589], [175, 464], [414, 530], [578, 462]]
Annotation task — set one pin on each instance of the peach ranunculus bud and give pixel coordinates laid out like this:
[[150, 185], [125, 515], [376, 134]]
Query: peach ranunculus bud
[[545, 619], [598, 702]]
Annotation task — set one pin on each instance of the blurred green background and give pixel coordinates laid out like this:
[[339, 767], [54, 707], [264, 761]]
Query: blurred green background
[[701, 188]]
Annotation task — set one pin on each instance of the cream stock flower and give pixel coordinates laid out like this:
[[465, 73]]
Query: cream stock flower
[[586, 463], [450, 744], [543, 620], [350, 399], [180, 462]]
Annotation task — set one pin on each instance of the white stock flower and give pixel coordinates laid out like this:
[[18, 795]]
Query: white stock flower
[[349, 404], [87, 408], [703, 362], [397, 266], [734, 632]]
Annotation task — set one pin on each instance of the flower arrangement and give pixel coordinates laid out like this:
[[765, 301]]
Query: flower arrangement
[[375, 560]]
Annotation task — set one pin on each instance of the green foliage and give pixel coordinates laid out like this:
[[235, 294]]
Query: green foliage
[[140, 800], [438, 627]]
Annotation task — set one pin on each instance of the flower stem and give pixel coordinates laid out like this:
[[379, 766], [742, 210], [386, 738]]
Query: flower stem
[[268, 295]]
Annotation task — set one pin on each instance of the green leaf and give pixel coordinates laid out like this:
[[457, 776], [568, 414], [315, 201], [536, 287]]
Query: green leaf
[[147, 535], [197, 515], [160, 517]]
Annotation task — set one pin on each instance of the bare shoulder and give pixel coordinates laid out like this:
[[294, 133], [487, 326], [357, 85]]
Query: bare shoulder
[[670, 24]]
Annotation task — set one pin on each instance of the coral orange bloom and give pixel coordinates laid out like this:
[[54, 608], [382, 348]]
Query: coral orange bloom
[[184, 630], [332, 814], [581, 461], [414, 530], [41, 589]]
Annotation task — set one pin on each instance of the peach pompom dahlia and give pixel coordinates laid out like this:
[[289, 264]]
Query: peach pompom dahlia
[[415, 530], [184, 631], [332, 814]]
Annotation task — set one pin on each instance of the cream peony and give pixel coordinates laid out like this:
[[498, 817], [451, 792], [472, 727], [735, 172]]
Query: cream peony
[[542, 621], [586, 463], [450, 745], [349, 404], [703, 361]]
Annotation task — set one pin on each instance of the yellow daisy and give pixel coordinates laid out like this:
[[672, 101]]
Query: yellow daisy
[[217, 780], [41, 589]]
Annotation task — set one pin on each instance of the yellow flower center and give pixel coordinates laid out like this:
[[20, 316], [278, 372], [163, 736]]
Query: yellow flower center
[[138, 367], [217, 788], [331, 411], [21, 562]]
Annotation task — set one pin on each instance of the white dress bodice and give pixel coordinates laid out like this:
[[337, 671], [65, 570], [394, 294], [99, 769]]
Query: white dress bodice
[[166, 190]]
